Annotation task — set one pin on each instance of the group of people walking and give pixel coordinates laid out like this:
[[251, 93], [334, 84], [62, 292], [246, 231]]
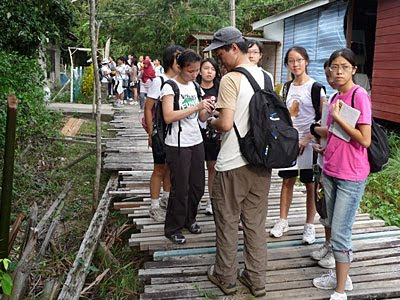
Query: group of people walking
[[200, 107], [128, 80]]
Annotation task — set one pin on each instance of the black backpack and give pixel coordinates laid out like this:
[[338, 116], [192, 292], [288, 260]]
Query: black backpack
[[271, 141], [378, 151], [160, 128], [315, 96]]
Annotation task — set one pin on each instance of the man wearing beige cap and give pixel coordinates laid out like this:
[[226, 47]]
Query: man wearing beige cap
[[239, 190]]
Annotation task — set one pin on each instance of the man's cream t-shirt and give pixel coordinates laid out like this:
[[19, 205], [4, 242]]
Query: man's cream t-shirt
[[235, 92]]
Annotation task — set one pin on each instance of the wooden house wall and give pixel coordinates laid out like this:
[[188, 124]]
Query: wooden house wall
[[386, 69]]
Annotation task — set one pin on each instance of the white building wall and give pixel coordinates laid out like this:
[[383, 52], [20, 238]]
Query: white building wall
[[275, 32]]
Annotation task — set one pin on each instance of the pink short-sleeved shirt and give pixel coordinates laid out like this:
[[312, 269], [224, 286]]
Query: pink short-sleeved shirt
[[348, 160]]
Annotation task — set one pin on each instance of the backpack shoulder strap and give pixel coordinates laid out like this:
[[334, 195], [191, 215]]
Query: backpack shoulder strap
[[175, 88], [198, 90], [268, 83], [316, 98], [352, 97], [285, 90], [162, 80], [249, 77]]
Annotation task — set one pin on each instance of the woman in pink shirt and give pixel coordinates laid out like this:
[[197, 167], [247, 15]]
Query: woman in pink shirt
[[345, 169]]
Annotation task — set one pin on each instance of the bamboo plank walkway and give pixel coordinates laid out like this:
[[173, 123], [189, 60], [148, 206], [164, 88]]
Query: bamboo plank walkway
[[179, 271]]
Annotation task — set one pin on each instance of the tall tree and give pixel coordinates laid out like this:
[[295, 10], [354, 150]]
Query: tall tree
[[26, 24]]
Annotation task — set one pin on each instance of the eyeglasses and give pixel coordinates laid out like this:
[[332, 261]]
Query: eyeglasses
[[253, 52], [344, 68], [297, 61]]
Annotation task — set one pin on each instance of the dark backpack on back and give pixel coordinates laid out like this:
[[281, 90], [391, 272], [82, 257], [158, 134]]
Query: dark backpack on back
[[315, 96], [378, 151], [153, 110], [160, 128], [271, 141]]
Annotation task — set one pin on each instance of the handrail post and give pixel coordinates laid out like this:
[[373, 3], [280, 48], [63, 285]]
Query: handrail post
[[8, 174]]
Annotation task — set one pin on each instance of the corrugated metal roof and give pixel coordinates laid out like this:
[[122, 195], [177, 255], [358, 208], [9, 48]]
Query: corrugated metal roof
[[289, 13]]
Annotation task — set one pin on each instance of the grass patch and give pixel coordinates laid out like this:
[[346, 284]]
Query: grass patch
[[382, 194]]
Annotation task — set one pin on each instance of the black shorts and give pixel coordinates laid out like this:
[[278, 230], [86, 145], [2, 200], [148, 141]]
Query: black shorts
[[211, 147], [158, 156], [211, 150], [306, 175]]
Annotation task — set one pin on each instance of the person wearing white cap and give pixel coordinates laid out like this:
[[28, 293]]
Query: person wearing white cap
[[239, 191]]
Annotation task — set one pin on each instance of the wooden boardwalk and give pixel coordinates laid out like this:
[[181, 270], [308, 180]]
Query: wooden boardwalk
[[179, 272]]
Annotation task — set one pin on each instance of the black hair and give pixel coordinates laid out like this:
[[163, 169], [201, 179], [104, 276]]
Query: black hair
[[346, 53], [218, 75], [302, 51], [113, 58], [251, 43], [170, 54], [241, 45], [186, 57], [123, 58], [326, 64]]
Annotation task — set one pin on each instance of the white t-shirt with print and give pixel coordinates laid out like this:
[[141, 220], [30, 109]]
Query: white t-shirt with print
[[299, 104], [190, 134], [301, 109]]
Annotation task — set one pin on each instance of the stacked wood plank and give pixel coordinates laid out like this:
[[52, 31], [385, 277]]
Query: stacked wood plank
[[179, 271], [72, 126]]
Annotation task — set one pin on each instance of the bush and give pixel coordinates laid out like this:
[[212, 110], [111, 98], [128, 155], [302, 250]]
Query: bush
[[87, 81], [382, 195], [23, 77]]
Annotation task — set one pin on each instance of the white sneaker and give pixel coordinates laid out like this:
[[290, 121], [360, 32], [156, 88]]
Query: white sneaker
[[279, 228], [164, 202], [328, 282], [321, 251], [328, 261], [337, 296], [309, 234], [157, 214], [209, 210]]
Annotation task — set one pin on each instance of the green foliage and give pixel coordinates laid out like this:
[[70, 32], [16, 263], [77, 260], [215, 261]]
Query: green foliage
[[87, 81], [5, 278], [26, 24], [24, 78], [147, 27], [382, 195]]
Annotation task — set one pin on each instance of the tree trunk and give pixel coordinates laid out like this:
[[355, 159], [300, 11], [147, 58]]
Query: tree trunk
[[93, 39]]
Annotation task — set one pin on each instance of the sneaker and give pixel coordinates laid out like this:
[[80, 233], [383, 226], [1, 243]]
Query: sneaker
[[157, 214], [256, 291], [176, 238], [279, 228], [309, 234], [226, 288], [209, 210], [321, 251], [164, 202], [328, 261], [194, 228], [328, 282], [338, 296]]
